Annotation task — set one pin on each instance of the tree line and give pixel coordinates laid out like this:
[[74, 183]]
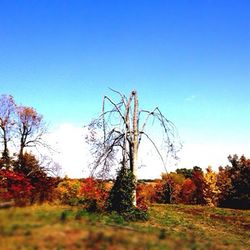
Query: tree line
[[25, 180], [227, 187]]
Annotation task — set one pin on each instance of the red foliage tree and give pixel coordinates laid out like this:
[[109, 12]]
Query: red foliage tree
[[43, 185], [198, 180], [187, 193]]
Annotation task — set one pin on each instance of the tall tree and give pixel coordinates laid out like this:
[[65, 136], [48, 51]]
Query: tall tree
[[211, 191], [123, 126], [239, 173], [7, 120], [30, 130]]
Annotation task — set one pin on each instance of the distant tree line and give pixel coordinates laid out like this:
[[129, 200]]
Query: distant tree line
[[229, 187]]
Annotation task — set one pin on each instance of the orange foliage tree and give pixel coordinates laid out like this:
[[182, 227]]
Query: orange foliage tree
[[146, 194]]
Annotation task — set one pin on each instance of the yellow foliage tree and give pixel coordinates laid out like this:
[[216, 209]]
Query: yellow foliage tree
[[211, 190]]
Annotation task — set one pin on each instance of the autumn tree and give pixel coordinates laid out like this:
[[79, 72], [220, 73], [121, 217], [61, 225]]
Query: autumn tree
[[198, 180], [224, 183], [7, 120], [239, 173], [30, 130], [211, 191], [123, 127], [187, 193], [173, 185]]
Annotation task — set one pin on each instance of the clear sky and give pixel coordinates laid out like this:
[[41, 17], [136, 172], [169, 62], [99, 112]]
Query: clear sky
[[189, 57]]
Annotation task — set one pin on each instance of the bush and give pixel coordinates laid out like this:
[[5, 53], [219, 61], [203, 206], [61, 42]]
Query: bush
[[93, 195], [14, 186], [145, 194], [69, 191]]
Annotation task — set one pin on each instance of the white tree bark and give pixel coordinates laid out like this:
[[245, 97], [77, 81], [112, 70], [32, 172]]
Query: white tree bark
[[135, 143]]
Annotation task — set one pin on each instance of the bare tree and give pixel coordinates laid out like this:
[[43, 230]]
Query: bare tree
[[30, 129], [7, 113], [123, 127]]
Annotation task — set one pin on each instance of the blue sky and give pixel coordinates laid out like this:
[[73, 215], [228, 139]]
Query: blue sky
[[189, 57]]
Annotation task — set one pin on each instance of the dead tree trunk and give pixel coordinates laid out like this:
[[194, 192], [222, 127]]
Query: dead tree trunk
[[134, 159]]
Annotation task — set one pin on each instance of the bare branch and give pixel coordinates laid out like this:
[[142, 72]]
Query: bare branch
[[118, 136], [156, 148], [123, 97], [116, 107]]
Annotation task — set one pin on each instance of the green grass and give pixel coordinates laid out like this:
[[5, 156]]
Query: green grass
[[169, 227]]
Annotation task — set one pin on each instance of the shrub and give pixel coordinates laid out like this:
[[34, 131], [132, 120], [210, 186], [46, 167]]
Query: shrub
[[14, 186], [145, 194], [93, 195], [69, 191], [44, 188], [142, 200]]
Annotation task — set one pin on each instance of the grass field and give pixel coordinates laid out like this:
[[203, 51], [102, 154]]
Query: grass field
[[169, 227]]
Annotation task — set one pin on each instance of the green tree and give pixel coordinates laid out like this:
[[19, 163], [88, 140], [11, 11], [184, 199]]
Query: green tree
[[187, 173], [239, 173], [121, 194]]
